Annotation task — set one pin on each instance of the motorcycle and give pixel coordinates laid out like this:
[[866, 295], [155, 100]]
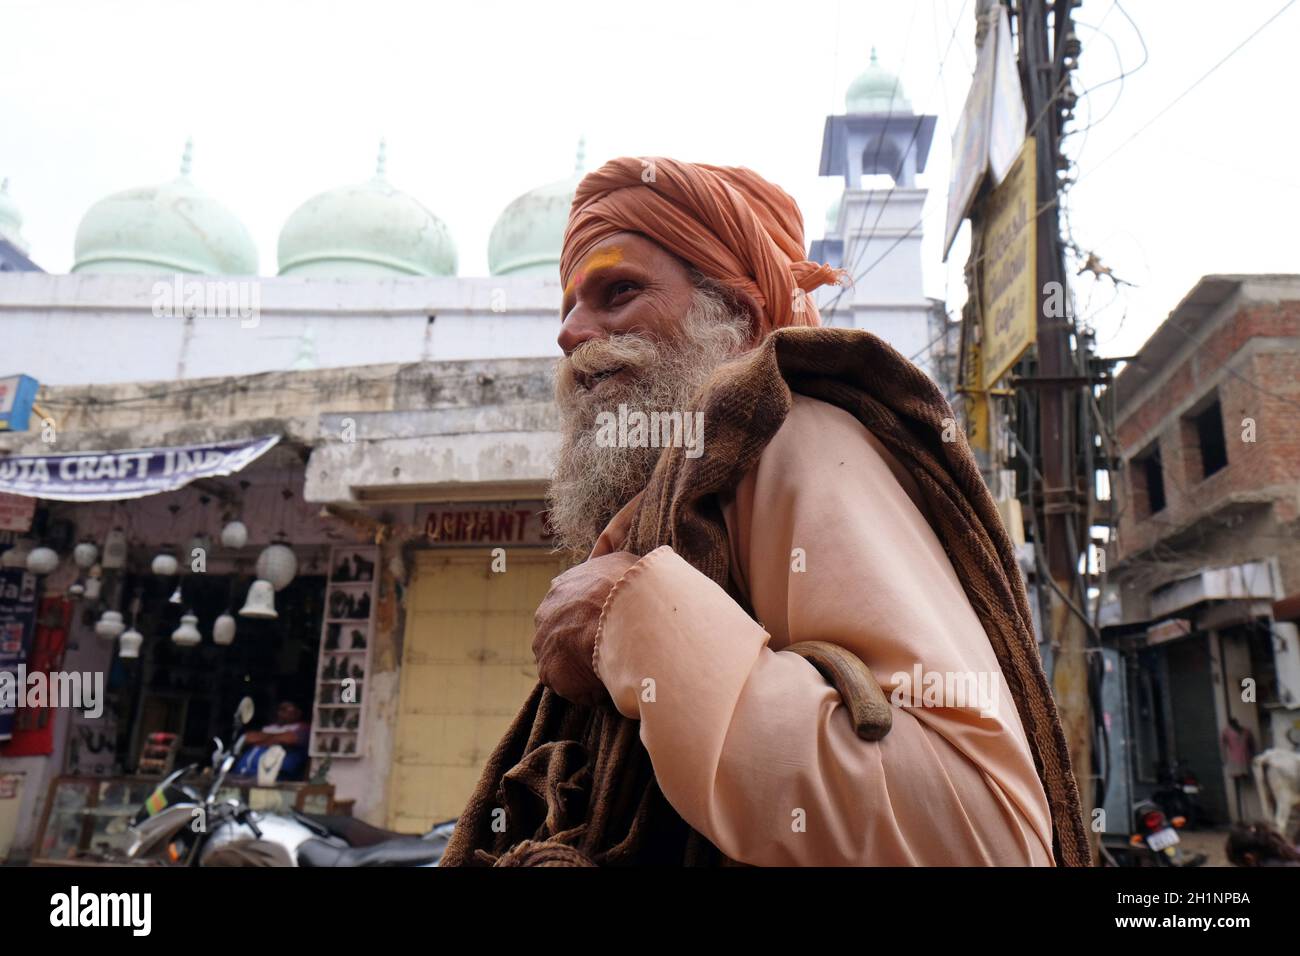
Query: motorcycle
[[1178, 794], [182, 825], [1154, 842]]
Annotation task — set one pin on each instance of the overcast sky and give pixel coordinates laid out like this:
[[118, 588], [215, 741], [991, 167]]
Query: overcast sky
[[482, 100]]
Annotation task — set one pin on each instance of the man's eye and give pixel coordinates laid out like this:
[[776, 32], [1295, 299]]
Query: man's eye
[[621, 289]]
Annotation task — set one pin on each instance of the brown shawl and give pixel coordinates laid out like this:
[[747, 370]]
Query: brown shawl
[[570, 785]]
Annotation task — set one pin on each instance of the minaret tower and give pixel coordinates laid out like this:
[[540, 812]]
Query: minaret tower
[[874, 231]]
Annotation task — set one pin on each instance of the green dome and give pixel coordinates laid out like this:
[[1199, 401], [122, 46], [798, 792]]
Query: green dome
[[529, 234], [364, 231], [876, 90], [174, 227], [11, 220]]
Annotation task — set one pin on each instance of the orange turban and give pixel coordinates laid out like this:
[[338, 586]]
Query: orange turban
[[728, 222]]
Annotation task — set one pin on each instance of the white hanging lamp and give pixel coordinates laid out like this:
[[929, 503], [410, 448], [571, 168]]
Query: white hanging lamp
[[84, 554], [278, 564], [187, 635], [129, 646], [164, 564], [115, 550], [16, 557], [223, 630], [42, 560], [260, 602], [109, 626], [234, 535]]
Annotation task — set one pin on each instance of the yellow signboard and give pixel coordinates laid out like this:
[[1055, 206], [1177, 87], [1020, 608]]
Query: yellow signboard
[[1008, 287]]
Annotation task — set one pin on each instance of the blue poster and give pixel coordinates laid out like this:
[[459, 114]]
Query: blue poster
[[17, 625]]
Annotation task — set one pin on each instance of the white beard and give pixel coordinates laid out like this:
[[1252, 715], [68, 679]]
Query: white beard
[[592, 482]]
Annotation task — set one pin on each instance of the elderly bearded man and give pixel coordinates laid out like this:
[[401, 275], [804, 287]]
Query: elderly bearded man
[[671, 722]]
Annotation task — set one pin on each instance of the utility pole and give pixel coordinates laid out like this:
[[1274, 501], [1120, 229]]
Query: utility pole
[[1058, 385], [1050, 385]]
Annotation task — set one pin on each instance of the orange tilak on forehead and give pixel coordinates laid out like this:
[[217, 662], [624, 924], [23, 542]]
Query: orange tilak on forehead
[[600, 260]]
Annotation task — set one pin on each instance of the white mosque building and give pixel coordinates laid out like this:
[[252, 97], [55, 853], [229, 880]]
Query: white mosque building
[[165, 283], [365, 275]]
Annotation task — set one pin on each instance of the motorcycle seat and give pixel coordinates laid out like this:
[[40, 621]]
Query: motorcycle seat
[[406, 851], [350, 830]]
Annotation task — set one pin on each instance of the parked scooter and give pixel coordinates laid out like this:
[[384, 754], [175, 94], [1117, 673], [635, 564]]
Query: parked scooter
[[179, 824], [1154, 842]]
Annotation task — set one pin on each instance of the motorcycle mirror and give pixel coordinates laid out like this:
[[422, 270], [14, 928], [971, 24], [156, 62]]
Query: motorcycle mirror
[[244, 712]]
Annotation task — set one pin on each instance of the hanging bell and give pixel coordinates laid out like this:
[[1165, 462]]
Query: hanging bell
[[187, 635], [260, 602]]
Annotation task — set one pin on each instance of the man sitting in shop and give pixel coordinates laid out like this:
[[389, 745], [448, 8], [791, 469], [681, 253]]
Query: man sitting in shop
[[284, 741]]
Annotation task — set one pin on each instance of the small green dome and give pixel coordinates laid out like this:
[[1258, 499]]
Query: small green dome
[[529, 234], [11, 220], [363, 231], [876, 90], [174, 227]]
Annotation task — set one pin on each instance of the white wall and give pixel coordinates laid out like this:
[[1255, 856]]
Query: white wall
[[83, 329]]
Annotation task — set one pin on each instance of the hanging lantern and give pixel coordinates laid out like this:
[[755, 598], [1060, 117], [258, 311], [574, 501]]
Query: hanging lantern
[[223, 630], [109, 625], [85, 554], [115, 549], [234, 535], [187, 635], [130, 644], [260, 602], [278, 564], [16, 557], [76, 589], [164, 564], [42, 560]]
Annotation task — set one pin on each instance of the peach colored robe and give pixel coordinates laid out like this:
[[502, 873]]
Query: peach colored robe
[[751, 746]]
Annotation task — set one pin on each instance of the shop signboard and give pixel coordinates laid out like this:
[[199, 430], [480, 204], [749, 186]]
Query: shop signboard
[[1008, 290], [17, 393], [132, 473], [484, 523], [991, 127]]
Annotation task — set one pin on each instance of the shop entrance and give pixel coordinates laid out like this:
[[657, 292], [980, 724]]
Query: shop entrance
[[467, 665], [193, 691]]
